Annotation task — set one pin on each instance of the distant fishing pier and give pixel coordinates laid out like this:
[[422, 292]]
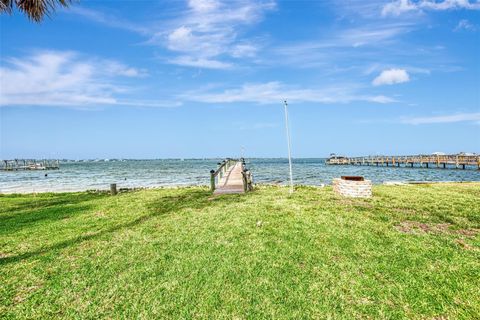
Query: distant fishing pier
[[417, 161], [29, 164]]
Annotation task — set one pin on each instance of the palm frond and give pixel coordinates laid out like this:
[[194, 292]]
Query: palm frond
[[6, 6], [36, 10]]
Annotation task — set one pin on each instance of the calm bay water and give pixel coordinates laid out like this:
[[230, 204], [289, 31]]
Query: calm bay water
[[77, 176]]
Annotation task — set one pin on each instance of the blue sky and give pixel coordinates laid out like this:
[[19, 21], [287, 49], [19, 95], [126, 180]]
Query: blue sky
[[202, 78]]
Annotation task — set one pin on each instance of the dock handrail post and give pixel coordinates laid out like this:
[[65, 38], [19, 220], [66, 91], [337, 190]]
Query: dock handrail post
[[245, 182], [212, 180], [250, 181], [247, 179]]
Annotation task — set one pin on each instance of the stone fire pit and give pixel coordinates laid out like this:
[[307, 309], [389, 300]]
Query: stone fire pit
[[353, 186]]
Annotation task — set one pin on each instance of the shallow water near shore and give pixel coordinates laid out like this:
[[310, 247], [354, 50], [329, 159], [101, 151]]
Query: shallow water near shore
[[79, 176]]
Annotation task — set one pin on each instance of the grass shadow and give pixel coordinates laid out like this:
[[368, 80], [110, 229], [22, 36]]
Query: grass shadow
[[15, 216], [163, 205]]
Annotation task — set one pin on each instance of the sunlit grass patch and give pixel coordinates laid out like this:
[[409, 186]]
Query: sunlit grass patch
[[409, 252]]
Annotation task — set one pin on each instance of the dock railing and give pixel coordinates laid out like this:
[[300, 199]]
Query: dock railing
[[224, 167], [29, 164], [247, 178], [439, 161]]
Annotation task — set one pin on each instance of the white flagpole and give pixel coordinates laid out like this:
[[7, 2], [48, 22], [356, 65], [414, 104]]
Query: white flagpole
[[289, 148]]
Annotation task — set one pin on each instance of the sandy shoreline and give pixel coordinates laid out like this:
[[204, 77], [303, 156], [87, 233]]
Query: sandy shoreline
[[125, 189]]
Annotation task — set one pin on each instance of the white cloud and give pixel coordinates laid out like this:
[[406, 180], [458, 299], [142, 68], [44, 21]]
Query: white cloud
[[391, 76], [203, 5], [200, 62], [449, 4], [378, 67], [396, 8], [206, 34], [275, 92], [243, 50], [53, 78], [459, 117], [180, 39], [464, 24], [399, 7], [209, 30], [118, 69]]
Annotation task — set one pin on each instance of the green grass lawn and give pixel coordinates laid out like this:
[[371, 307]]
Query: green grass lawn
[[409, 252]]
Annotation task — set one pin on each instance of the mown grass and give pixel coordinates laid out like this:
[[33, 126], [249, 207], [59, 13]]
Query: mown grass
[[409, 252]]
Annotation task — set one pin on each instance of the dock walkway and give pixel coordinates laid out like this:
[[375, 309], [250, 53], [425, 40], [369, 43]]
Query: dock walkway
[[231, 177], [232, 181]]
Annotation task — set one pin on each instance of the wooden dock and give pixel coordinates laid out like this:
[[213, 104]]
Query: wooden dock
[[231, 177], [454, 161], [29, 164]]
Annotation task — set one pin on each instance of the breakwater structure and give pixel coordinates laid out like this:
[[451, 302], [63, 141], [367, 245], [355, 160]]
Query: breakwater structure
[[29, 164], [454, 161], [231, 176]]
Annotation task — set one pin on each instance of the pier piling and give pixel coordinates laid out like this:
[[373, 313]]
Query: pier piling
[[113, 189]]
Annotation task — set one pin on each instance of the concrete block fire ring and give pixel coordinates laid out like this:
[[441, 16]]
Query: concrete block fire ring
[[353, 186]]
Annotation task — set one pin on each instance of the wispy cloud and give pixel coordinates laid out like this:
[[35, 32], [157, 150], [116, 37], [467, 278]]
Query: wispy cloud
[[464, 24], [65, 78], [399, 7], [188, 61], [451, 118], [208, 32], [108, 20], [276, 92], [391, 76], [340, 48], [373, 34], [379, 67], [205, 34]]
